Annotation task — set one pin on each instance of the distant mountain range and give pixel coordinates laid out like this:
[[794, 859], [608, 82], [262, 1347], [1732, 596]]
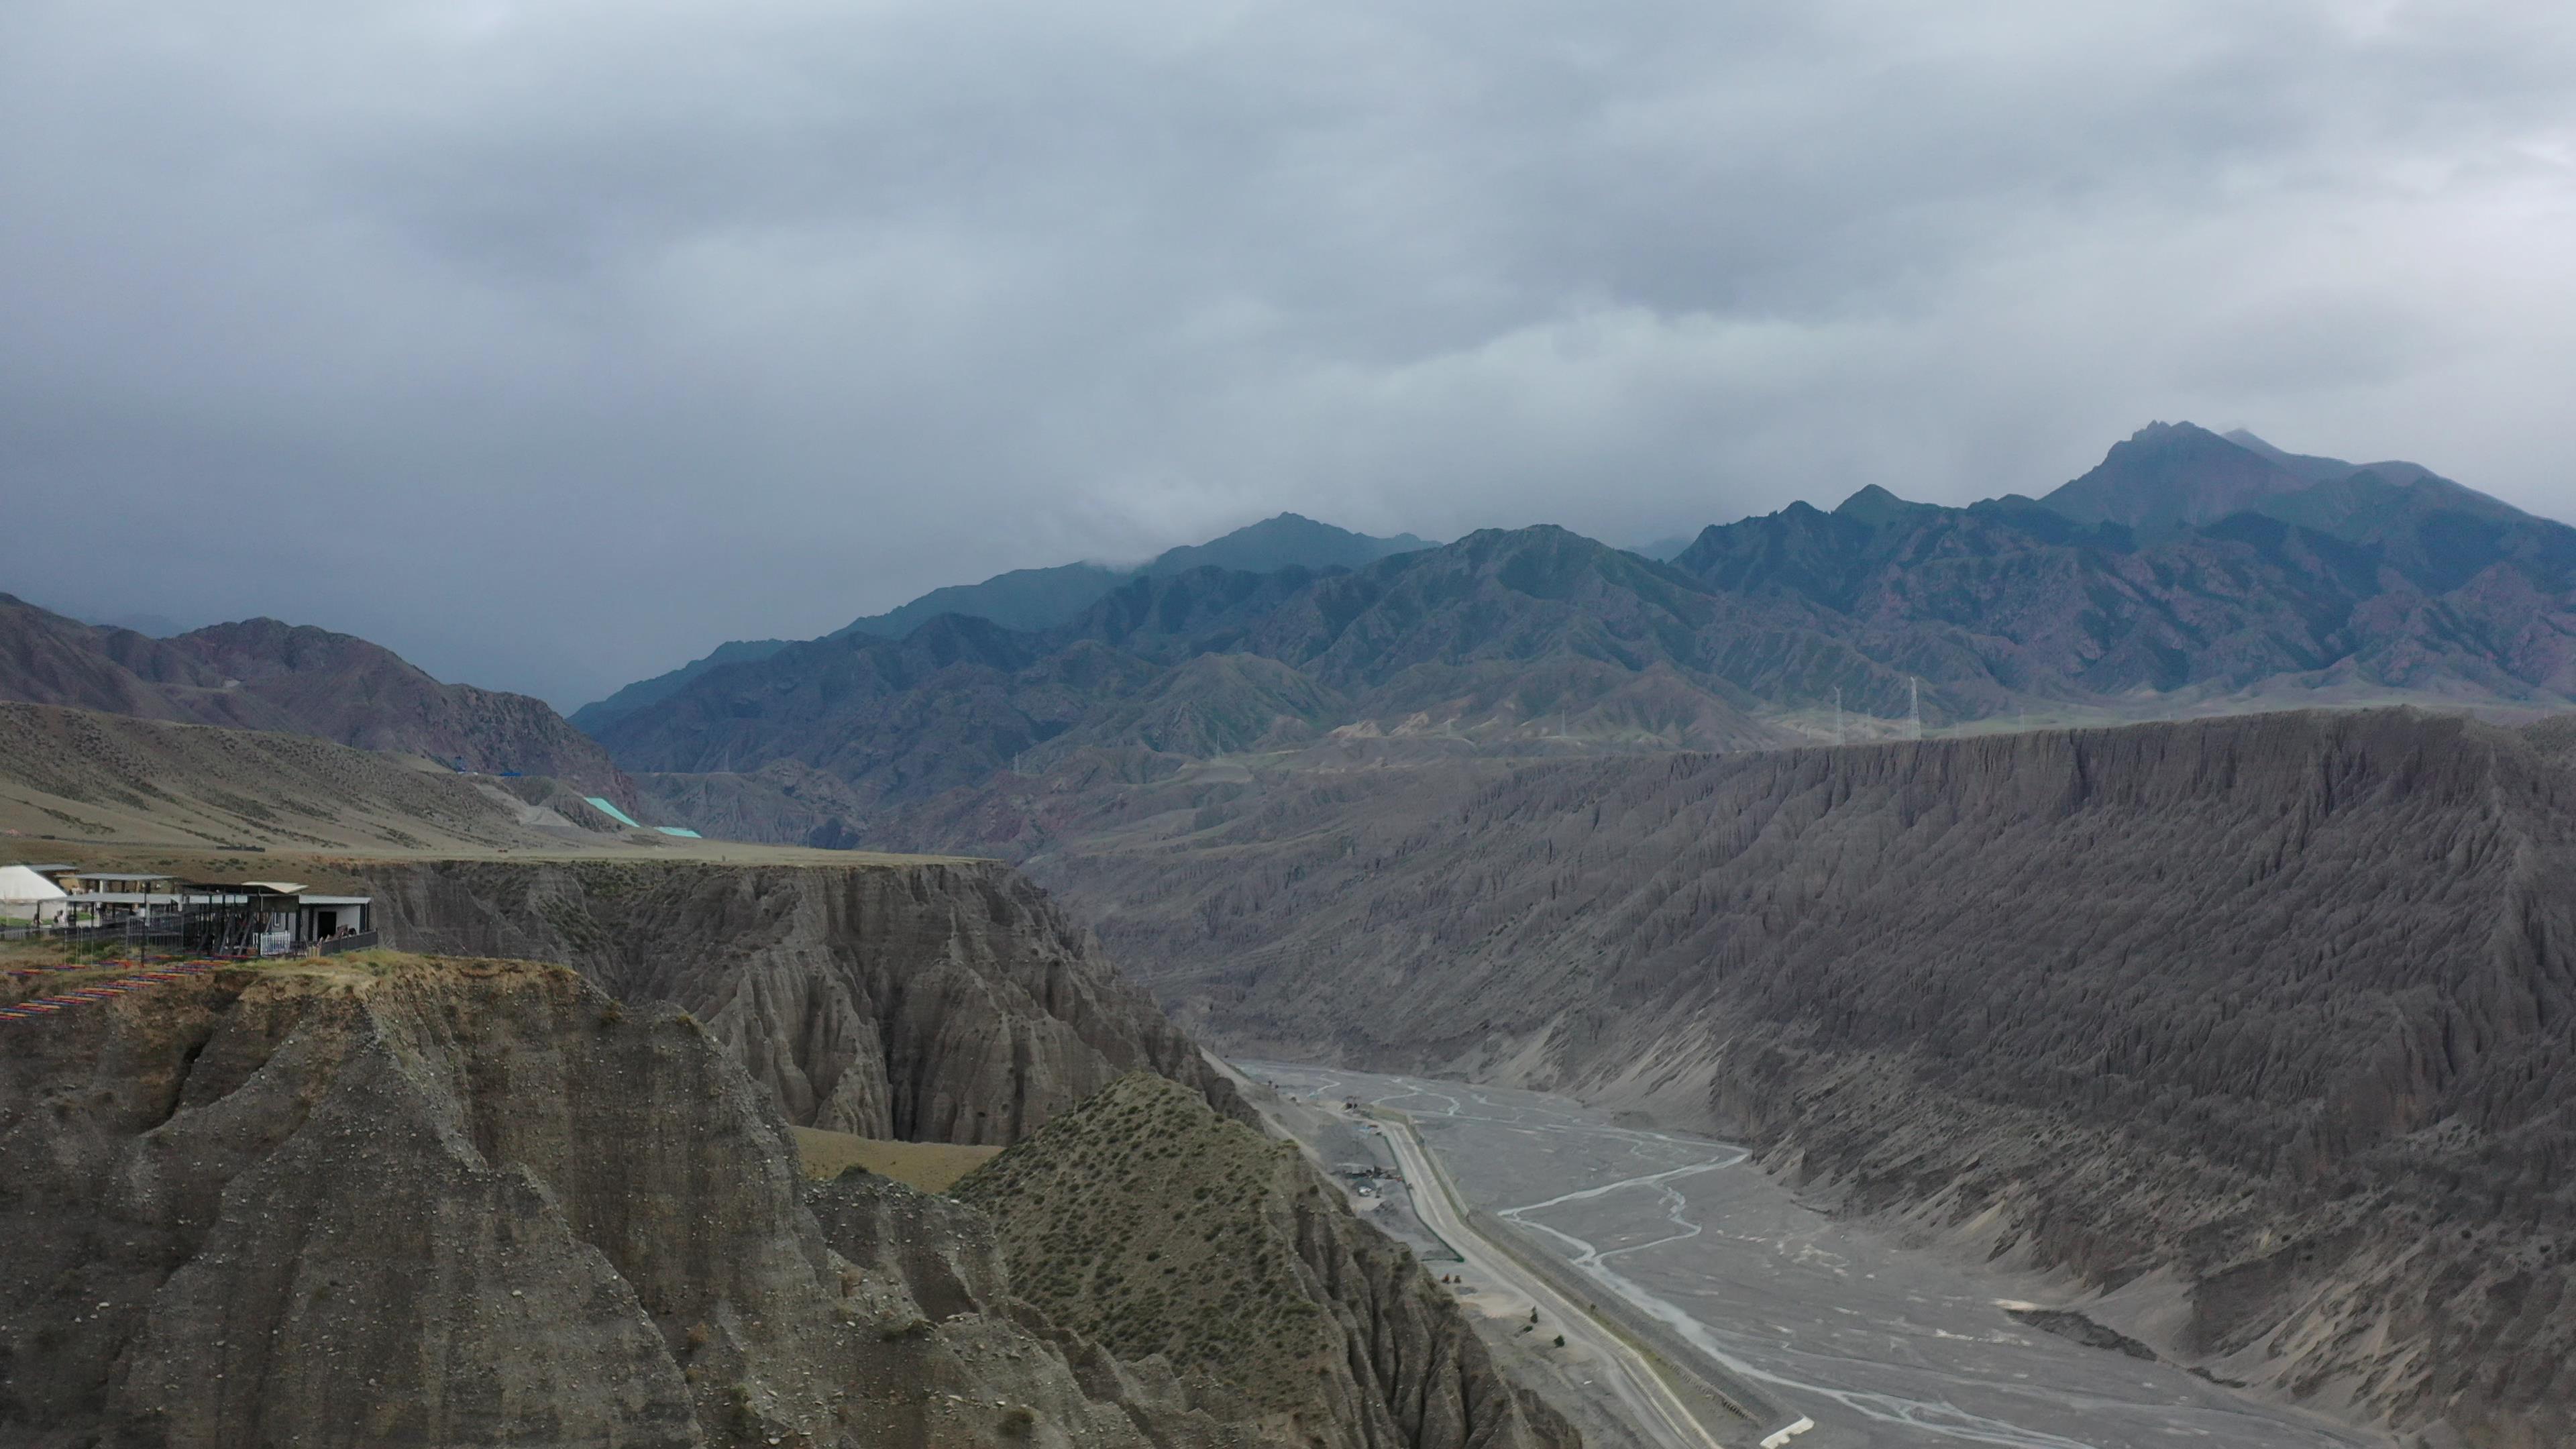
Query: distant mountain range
[[2189, 572], [260, 674], [1036, 599]]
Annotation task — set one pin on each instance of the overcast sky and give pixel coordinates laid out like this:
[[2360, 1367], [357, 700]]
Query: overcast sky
[[551, 344]]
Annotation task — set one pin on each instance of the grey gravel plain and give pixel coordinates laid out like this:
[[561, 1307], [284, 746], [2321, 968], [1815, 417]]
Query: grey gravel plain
[[1881, 1344]]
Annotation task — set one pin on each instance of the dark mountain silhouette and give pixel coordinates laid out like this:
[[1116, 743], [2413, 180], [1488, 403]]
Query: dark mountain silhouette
[[261, 674], [1037, 599], [2171, 476], [1287, 541], [1662, 550], [1020, 599], [1520, 635], [2188, 573], [662, 686]]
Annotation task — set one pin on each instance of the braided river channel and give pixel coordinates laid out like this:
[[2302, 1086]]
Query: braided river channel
[[1881, 1344]]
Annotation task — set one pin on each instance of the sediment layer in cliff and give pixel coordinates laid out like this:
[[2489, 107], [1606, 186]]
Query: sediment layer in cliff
[[942, 1001], [2279, 1011], [394, 1201]]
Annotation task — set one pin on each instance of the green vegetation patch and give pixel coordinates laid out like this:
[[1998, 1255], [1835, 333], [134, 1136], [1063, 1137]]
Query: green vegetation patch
[[929, 1166], [1148, 1222]]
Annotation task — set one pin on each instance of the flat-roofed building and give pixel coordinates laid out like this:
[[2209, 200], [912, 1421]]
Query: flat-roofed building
[[295, 916]]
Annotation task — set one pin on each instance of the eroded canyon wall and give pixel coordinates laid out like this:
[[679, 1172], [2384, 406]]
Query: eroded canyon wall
[[394, 1201], [939, 1001], [2262, 1028]]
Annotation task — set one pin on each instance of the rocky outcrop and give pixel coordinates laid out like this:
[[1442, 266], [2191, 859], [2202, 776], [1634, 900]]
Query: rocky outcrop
[[1147, 1222], [2260, 1031], [444, 1203], [940, 1001]]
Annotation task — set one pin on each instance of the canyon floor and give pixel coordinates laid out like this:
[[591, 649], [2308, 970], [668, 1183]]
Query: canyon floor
[[1881, 1343]]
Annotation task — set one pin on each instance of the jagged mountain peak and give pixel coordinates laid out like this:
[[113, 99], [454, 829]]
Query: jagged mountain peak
[[1879, 508], [1286, 540], [2169, 476]]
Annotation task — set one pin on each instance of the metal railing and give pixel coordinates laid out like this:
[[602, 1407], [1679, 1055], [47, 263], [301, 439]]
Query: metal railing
[[228, 929]]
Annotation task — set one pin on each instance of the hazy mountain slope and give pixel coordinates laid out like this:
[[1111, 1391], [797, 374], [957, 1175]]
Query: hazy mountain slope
[[84, 776], [2421, 591], [47, 658], [592, 717], [947, 705], [342, 688], [1287, 541], [1035, 600], [2188, 574], [2260, 1026], [2171, 476], [2326, 470], [1028, 599], [1485, 639], [1211, 704], [264, 675]]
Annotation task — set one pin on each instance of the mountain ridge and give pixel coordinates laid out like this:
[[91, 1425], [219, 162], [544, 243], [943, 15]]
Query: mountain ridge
[[1036, 599], [2187, 573], [267, 675]]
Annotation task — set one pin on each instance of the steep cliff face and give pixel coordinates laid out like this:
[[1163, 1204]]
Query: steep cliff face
[[426, 1203], [1149, 1223], [2263, 1029], [405, 1202], [932, 1001]]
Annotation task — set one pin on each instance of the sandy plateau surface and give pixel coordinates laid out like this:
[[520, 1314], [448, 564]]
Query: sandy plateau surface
[[1882, 1345]]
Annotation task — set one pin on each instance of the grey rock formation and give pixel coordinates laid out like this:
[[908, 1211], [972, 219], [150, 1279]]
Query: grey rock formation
[[470, 1204], [937, 1001], [2262, 1029]]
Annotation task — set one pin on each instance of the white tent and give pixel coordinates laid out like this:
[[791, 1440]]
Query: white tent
[[25, 895]]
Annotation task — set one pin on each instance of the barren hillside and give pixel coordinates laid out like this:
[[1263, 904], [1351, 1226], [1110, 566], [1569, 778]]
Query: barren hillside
[[474, 1203], [2276, 1012], [261, 674]]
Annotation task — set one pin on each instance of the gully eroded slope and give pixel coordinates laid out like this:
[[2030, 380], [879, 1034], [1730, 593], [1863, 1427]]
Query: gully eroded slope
[[941, 1001], [2265, 1028], [392, 1201]]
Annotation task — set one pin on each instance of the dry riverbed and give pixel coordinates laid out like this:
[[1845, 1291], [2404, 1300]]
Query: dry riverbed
[[1882, 1345]]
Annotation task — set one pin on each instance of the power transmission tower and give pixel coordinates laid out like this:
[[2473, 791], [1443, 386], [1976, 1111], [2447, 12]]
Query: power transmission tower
[[1914, 704], [1838, 714]]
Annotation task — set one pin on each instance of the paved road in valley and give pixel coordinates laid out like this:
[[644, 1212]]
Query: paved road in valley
[[1884, 1345], [1649, 1399]]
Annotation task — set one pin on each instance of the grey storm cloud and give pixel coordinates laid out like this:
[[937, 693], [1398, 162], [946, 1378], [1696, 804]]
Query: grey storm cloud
[[553, 343]]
